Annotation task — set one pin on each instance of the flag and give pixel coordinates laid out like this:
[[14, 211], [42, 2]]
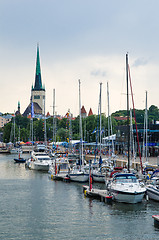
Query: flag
[[94, 131], [32, 110], [102, 131]]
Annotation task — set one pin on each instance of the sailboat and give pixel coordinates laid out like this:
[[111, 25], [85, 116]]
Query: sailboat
[[15, 149], [145, 142], [125, 187], [78, 173], [98, 173]]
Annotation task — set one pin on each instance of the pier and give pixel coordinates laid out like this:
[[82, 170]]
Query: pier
[[102, 195], [121, 161]]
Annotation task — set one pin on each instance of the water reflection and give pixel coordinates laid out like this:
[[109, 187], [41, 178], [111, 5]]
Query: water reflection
[[45, 209]]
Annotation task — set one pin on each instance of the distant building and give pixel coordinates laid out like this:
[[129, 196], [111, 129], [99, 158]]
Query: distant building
[[120, 118], [4, 120], [90, 112], [83, 112], [37, 92], [18, 111]]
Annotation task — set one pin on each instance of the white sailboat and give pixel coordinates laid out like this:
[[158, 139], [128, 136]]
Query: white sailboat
[[125, 186], [14, 149], [98, 174], [78, 173]]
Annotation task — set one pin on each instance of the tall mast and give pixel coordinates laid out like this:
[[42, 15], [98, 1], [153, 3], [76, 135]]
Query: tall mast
[[32, 116], [110, 128], [81, 142], [53, 137], [146, 124], [108, 118], [45, 138], [14, 127], [128, 114], [100, 129]]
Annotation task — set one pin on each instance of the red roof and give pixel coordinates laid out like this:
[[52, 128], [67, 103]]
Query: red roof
[[83, 110], [90, 112]]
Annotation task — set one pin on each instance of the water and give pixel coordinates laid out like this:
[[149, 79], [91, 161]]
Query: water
[[34, 207]]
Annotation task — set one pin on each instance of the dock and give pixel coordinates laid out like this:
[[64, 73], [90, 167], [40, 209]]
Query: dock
[[156, 220], [102, 195], [60, 177]]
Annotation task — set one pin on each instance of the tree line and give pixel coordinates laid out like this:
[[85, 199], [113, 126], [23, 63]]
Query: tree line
[[66, 129]]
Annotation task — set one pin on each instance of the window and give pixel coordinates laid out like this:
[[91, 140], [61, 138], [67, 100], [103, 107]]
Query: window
[[36, 97]]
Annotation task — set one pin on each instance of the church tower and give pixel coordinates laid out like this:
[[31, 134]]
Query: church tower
[[38, 91]]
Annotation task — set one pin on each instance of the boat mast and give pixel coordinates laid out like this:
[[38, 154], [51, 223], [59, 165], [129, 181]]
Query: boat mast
[[108, 119], [53, 137], [100, 128], [128, 117], [32, 116], [110, 128], [14, 129], [81, 142], [146, 124], [45, 138], [70, 132]]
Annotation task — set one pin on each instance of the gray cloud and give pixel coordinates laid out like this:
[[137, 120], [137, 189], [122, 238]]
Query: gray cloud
[[98, 72], [140, 62]]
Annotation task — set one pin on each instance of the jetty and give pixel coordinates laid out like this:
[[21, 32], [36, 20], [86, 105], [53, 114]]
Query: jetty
[[102, 195], [156, 220]]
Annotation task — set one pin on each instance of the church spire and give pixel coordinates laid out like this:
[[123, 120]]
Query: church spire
[[38, 81]]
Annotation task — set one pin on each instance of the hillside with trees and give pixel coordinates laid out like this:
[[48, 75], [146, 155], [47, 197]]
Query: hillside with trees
[[90, 126]]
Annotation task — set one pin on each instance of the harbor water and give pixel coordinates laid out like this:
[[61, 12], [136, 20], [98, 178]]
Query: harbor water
[[33, 207]]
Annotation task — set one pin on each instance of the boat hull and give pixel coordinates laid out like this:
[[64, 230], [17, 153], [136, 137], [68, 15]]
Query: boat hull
[[98, 178], [38, 166], [19, 160], [79, 177], [127, 197], [153, 193]]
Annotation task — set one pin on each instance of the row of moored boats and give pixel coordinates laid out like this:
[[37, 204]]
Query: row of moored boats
[[122, 185]]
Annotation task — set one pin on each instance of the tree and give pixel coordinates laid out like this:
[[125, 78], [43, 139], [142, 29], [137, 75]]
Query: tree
[[62, 134]]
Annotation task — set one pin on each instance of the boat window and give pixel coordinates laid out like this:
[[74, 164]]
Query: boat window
[[43, 159], [126, 178]]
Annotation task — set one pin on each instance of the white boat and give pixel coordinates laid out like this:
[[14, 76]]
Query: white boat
[[126, 188], [59, 168], [78, 175], [152, 189], [39, 161], [15, 150], [98, 175]]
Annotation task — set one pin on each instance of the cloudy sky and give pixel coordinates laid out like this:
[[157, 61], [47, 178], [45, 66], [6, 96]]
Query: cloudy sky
[[79, 39]]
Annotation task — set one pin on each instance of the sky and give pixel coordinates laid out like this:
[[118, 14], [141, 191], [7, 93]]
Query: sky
[[79, 39]]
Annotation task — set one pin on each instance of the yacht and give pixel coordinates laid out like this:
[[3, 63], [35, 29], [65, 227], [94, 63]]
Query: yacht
[[59, 168], [152, 188], [125, 187], [39, 161]]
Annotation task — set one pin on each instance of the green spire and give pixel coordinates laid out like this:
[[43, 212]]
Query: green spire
[[38, 62], [38, 81]]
